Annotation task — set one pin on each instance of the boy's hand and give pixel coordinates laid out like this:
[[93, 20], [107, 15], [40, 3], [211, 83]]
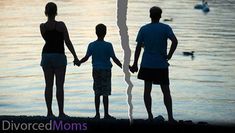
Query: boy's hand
[[121, 66], [133, 68]]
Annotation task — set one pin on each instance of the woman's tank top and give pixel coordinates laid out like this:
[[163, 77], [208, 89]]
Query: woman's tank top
[[54, 41]]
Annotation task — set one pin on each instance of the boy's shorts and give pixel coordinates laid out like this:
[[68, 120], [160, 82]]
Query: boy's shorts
[[102, 82]]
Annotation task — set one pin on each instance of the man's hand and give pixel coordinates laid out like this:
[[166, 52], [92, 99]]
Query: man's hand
[[133, 68]]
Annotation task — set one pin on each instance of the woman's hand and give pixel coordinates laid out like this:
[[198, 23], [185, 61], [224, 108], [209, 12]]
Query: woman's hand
[[76, 62]]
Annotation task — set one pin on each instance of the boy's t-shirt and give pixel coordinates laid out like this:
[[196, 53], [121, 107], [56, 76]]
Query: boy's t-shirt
[[101, 51], [154, 37]]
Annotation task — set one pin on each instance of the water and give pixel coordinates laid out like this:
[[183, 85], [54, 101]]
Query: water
[[202, 89]]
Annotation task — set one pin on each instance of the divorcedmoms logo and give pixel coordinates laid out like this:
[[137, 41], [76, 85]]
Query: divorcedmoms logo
[[52, 125]]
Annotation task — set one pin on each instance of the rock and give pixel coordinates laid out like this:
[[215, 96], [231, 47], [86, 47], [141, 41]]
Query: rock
[[188, 122], [202, 123], [159, 119]]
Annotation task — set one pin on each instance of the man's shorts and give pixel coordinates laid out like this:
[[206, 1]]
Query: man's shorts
[[156, 75]]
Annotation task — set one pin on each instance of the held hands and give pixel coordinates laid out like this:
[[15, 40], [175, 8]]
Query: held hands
[[133, 68], [76, 62]]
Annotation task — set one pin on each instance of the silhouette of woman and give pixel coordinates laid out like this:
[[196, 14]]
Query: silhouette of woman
[[53, 59]]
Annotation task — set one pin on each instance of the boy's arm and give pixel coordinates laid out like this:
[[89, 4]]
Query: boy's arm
[[84, 59], [173, 47], [116, 60], [88, 54], [134, 67], [113, 56]]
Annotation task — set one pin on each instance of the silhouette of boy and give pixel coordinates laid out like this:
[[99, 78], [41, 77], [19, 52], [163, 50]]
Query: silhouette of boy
[[154, 66], [101, 52]]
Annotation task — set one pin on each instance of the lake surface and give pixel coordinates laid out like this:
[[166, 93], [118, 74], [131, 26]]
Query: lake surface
[[202, 89]]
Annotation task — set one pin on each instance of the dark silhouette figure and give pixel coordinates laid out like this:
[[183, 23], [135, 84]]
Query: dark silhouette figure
[[101, 52], [154, 66], [189, 54], [168, 19], [204, 6], [53, 60]]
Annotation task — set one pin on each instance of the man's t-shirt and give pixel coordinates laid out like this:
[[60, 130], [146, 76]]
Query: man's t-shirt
[[101, 51], [153, 37]]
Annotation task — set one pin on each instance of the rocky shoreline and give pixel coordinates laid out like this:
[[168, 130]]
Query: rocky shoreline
[[81, 124]]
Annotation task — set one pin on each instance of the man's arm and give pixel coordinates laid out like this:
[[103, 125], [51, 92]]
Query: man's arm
[[134, 67], [173, 46]]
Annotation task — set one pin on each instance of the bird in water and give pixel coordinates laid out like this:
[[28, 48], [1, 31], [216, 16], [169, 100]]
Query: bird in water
[[168, 19], [188, 53], [204, 6]]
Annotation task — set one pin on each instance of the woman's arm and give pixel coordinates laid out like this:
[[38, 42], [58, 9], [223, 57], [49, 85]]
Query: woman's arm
[[42, 30], [69, 44]]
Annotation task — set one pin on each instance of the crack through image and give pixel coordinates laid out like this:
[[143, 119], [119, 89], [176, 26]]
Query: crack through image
[[123, 30]]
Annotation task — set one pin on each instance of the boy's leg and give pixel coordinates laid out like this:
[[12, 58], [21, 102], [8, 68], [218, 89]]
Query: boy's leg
[[167, 101], [106, 108], [97, 106], [147, 98], [106, 105]]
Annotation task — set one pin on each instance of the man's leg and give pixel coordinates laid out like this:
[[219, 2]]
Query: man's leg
[[167, 101], [147, 98]]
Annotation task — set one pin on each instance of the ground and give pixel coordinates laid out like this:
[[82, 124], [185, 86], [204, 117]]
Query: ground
[[78, 124]]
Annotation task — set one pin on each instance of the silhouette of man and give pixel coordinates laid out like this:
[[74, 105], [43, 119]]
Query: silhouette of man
[[154, 66]]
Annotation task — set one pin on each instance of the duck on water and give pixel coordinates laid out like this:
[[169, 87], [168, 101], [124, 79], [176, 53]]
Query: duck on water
[[168, 19], [191, 54], [188, 53], [204, 6]]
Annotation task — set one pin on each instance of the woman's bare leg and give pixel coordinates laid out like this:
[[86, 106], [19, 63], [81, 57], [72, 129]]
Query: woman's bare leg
[[49, 79], [60, 77]]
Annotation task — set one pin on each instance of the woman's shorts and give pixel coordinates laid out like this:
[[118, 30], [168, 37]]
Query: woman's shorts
[[102, 82], [156, 75], [53, 60]]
